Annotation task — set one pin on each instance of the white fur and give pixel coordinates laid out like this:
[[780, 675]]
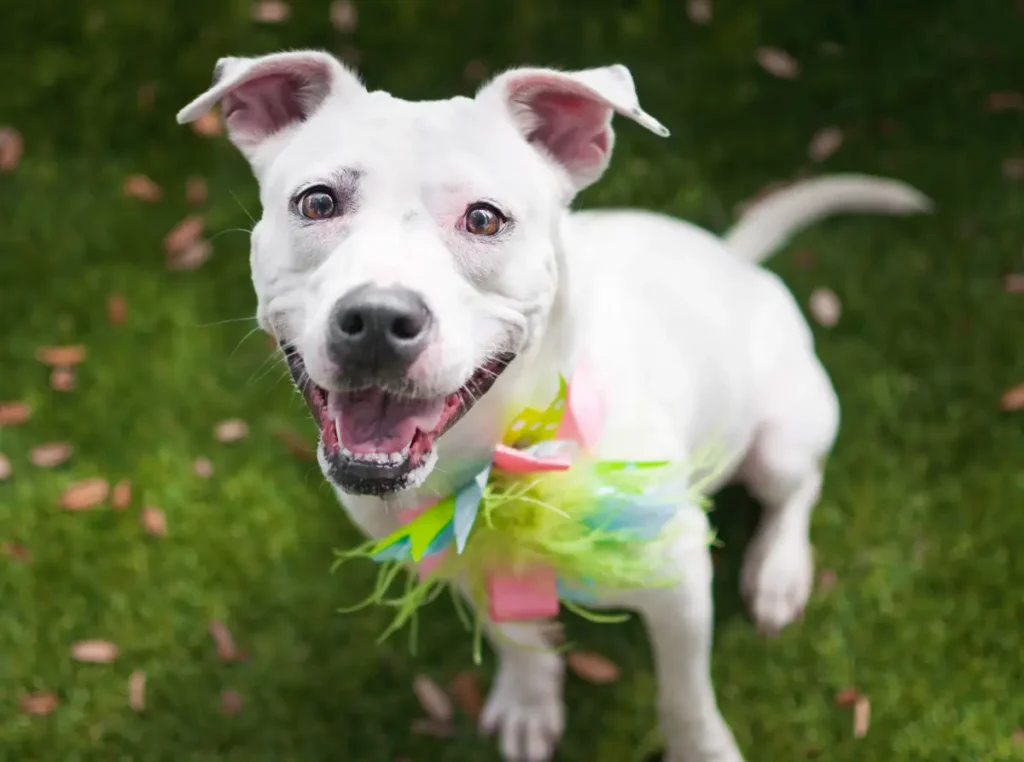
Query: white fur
[[692, 344]]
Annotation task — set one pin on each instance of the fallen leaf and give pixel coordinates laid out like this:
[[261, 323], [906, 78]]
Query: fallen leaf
[[861, 717], [433, 699], [5, 467], [270, 12], [195, 191], [142, 188], [435, 728], [121, 497], [777, 62], [831, 48], [846, 697], [344, 15], [117, 309], [63, 356], [39, 703], [209, 125], [593, 667], [888, 125], [146, 96], [475, 71], [137, 691], [699, 11], [203, 468], [297, 445], [465, 690], [1004, 101], [14, 413], [51, 454], [825, 142], [1013, 398], [191, 258], [12, 146], [350, 54], [1018, 737], [825, 307], [16, 551], [827, 580], [94, 651], [1014, 283], [184, 234], [62, 379], [153, 521], [1013, 169], [804, 259], [230, 702], [225, 642], [84, 494], [231, 430]]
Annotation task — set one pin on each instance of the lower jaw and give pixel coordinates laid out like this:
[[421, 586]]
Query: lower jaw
[[359, 477]]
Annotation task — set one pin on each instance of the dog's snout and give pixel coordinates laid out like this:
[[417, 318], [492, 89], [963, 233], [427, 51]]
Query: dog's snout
[[378, 330]]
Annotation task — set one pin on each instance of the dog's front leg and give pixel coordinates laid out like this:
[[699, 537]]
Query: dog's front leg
[[525, 706], [679, 620]]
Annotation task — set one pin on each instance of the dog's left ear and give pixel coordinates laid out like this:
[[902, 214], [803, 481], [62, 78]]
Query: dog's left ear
[[568, 115]]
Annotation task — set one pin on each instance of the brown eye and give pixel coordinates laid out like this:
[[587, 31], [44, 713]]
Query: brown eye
[[483, 219], [317, 204]]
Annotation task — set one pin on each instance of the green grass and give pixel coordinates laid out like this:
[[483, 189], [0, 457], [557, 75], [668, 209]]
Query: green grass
[[921, 515]]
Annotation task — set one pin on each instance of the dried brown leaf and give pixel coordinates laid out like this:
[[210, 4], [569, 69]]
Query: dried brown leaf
[[699, 11], [117, 309], [475, 71], [142, 188], [297, 445], [777, 62], [230, 702], [209, 125], [1004, 101], [16, 551], [344, 15], [14, 413], [861, 716], [593, 667], [270, 12], [1014, 283], [203, 468], [831, 48], [1013, 398], [63, 356], [846, 697], [137, 691], [433, 699], [195, 191], [190, 258], [351, 55], [825, 142], [434, 728], [146, 96], [95, 651], [121, 497], [827, 580], [184, 234], [825, 307], [39, 703], [5, 467], [223, 639], [1017, 737], [154, 522], [231, 430], [51, 454], [1013, 169], [12, 146], [85, 494], [465, 689], [62, 379]]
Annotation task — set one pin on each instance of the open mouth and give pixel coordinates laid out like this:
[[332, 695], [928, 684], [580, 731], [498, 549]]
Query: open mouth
[[377, 442]]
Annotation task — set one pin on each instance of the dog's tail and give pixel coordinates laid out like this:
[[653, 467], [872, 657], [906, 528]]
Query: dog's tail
[[771, 222]]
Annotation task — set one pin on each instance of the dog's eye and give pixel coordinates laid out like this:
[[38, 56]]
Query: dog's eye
[[483, 219], [317, 204]]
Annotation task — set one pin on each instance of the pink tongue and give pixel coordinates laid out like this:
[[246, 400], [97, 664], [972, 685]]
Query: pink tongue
[[373, 421]]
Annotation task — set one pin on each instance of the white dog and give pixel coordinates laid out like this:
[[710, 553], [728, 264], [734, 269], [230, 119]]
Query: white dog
[[419, 266]]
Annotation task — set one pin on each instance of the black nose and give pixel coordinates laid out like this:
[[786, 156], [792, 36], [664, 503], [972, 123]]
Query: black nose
[[378, 331]]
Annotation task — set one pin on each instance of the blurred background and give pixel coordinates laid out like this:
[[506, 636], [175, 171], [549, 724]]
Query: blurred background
[[166, 543]]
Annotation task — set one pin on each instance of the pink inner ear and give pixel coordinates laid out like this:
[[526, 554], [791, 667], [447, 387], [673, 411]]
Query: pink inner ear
[[574, 128], [263, 105]]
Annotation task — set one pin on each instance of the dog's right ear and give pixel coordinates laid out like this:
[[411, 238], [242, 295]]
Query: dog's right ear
[[263, 97]]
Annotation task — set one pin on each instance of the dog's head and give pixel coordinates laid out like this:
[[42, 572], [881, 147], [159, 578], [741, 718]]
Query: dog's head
[[408, 252]]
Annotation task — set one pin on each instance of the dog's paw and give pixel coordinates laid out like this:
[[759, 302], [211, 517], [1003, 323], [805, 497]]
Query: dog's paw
[[776, 581], [526, 712]]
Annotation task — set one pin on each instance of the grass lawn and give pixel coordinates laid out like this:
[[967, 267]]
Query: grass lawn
[[921, 515]]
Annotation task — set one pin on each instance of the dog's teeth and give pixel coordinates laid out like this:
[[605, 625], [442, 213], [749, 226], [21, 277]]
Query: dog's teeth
[[337, 429], [396, 458]]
